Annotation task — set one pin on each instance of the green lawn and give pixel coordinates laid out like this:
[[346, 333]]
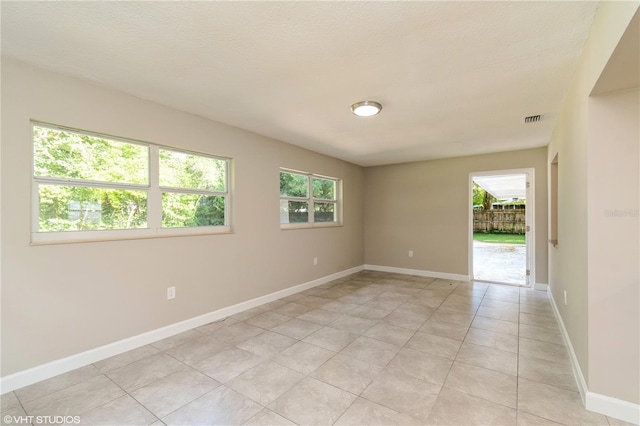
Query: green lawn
[[499, 238]]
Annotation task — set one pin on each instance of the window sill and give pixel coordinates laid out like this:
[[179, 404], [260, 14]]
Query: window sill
[[290, 226], [74, 237]]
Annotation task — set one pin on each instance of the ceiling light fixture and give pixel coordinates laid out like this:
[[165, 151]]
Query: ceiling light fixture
[[366, 108]]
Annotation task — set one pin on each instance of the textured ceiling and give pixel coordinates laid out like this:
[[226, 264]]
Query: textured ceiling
[[455, 78]]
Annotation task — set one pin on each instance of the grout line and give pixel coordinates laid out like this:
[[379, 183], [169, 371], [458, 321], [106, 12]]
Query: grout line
[[110, 401], [376, 280]]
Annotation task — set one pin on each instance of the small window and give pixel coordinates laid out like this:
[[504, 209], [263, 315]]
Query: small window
[[92, 187], [308, 200]]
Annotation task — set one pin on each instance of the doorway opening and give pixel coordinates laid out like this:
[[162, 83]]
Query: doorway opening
[[501, 224]]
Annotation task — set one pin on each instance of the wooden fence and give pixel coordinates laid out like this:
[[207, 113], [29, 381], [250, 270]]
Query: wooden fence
[[499, 221]]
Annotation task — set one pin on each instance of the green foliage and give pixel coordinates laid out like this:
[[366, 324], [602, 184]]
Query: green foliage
[[324, 189], [210, 211], [324, 212], [63, 154], [499, 238], [478, 195], [188, 210], [298, 211], [481, 198], [181, 170], [294, 185], [65, 206], [68, 155], [297, 185]]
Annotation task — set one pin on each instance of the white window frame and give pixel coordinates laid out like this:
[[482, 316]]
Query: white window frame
[[310, 200], [154, 197]]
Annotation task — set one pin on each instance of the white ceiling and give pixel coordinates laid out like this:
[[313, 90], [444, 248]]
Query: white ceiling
[[504, 187], [455, 78]]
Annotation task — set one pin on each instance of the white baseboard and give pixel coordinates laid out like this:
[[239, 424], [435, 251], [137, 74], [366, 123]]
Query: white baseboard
[[613, 407], [541, 286], [45, 371], [418, 272], [602, 404], [577, 371]]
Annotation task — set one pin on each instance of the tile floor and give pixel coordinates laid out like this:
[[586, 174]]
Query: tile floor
[[370, 349]]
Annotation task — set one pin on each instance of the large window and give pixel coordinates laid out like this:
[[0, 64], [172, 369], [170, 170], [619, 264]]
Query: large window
[[91, 187], [308, 200]]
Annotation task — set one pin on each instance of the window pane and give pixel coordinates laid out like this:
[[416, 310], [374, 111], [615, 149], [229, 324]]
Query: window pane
[[182, 170], [77, 208], [294, 185], [192, 210], [294, 211], [64, 154], [324, 212], [324, 189]]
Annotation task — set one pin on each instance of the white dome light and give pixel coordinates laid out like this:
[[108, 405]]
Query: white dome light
[[366, 108]]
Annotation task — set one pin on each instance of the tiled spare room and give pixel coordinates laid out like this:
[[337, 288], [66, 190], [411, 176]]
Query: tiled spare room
[[320, 213], [372, 348]]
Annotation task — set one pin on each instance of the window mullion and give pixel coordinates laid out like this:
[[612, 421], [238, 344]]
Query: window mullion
[[35, 199], [154, 200], [192, 191], [311, 207], [227, 188], [90, 183]]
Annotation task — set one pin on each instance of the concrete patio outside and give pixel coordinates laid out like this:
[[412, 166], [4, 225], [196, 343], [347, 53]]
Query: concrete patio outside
[[497, 262]]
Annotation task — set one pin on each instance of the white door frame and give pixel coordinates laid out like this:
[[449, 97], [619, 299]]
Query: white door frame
[[529, 218]]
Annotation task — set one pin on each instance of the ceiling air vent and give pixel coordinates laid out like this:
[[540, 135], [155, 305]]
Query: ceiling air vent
[[532, 119]]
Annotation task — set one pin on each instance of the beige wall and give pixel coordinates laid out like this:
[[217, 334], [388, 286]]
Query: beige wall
[[424, 207], [60, 300], [568, 262], [613, 227]]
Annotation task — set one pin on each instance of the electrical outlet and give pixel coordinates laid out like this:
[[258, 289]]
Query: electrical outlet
[[565, 298], [410, 253], [315, 260], [171, 293]]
